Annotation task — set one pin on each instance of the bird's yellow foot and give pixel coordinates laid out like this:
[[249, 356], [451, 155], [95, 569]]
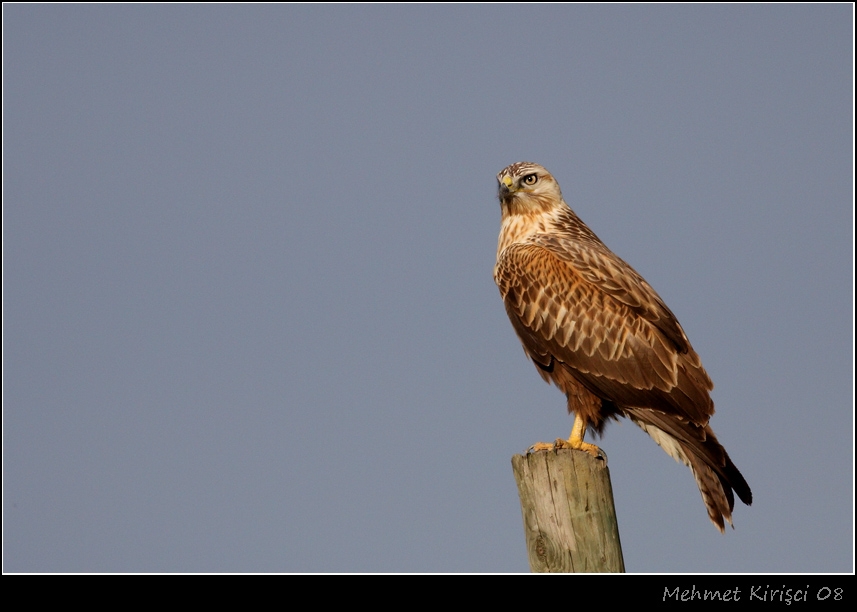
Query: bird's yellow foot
[[570, 443]]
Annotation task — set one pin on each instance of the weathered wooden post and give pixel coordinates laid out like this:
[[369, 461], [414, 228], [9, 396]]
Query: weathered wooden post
[[569, 518]]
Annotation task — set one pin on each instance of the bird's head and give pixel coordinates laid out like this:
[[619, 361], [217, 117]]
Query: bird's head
[[527, 188]]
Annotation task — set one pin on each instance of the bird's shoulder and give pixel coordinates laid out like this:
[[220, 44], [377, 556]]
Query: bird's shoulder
[[575, 270]]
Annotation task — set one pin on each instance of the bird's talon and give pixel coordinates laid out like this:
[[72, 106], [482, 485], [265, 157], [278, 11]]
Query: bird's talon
[[539, 446]]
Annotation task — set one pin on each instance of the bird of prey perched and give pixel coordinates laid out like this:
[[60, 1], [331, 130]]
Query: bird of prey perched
[[600, 333]]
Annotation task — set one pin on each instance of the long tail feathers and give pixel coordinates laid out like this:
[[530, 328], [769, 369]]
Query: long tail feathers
[[698, 448]]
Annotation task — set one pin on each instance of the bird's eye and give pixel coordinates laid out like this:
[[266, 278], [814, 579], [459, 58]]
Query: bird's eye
[[531, 179]]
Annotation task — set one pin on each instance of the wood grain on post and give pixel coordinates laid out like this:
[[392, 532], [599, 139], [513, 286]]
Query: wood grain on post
[[569, 518]]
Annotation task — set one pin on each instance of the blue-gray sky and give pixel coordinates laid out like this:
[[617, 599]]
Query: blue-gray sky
[[249, 322]]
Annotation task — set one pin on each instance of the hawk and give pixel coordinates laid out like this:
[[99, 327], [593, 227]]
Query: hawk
[[600, 333]]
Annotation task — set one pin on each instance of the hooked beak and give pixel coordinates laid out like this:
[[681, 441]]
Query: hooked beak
[[505, 187]]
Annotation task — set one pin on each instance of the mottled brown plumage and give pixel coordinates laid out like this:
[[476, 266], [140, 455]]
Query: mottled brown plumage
[[600, 333]]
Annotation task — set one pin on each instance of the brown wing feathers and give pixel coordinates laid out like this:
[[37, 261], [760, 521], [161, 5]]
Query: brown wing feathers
[[619, 355]]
